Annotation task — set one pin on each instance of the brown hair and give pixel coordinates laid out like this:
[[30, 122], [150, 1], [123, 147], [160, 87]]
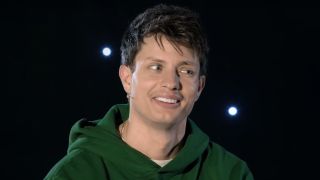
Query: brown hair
[[179, 25]]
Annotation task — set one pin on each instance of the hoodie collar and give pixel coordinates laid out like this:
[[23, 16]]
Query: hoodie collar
[[102, 137]]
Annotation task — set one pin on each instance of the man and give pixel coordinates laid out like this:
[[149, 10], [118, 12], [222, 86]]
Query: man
[[163, 73]]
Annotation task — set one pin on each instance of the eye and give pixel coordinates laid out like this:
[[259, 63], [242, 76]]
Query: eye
[[188, 72], [156, 67]]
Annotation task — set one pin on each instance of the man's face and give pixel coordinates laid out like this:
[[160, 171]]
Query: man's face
[[164, 84]]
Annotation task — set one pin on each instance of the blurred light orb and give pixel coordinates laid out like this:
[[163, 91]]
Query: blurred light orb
[[106, 51], [232, 111]]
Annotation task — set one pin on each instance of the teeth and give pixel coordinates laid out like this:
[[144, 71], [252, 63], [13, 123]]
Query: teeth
[[167, 100]]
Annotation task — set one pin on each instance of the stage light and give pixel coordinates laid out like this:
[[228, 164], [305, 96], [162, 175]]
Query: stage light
[[232, 111], [106, 51]]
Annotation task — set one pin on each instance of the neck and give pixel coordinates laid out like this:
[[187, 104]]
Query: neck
[[156, 143]]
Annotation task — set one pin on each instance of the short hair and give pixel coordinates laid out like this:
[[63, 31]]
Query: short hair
[[179, 25]]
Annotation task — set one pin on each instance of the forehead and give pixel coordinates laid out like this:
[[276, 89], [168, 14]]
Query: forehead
[[159, 47]]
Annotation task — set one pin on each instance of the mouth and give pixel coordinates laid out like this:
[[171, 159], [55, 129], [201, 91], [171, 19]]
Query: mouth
[[167, 100]]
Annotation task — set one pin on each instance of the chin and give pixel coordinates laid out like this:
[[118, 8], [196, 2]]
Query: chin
[[168, 122]]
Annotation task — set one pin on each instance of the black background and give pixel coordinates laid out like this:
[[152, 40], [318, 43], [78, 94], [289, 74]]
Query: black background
[[262, 59]]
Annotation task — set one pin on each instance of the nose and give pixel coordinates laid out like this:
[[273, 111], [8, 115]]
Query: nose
[[171, 80]]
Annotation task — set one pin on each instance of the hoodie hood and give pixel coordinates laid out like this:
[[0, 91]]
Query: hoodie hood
[[101, 137]]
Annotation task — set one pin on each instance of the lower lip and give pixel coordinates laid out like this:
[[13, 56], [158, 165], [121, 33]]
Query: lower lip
[[167, 105]]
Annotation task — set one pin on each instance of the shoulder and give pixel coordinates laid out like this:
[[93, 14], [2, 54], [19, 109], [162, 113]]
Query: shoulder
[[226, 163], [78, 164], [220, 154]]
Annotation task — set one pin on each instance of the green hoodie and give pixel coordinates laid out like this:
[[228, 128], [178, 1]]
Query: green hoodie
[[96, 152]]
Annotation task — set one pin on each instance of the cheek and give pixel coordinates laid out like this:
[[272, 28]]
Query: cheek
[[134, 84], [192, 82], [191, 89], [141, 83]]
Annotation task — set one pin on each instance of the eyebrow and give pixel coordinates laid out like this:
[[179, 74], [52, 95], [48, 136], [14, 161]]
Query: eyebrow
[[185, 62], [155, 59]]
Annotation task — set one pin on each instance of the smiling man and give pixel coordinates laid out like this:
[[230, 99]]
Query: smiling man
[[163, 85], [163, 73]]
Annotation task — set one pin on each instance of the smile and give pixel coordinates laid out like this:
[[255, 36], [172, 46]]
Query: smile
[[167, 100]]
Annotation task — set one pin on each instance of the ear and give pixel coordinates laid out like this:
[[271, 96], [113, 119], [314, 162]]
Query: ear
[[125, 77], [202, 83]]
